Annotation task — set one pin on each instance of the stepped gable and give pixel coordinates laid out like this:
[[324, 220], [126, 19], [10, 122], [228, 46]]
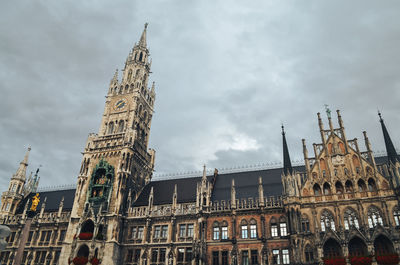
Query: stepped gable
[[53, 200]]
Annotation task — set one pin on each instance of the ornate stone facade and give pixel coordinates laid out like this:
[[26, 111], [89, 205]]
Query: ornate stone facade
[[342, 204]]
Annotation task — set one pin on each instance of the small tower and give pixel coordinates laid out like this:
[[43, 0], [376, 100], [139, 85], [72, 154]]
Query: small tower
[[393, 159], [290, 180], [11, 198]]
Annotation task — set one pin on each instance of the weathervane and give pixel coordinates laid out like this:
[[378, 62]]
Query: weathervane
[[328, 111]]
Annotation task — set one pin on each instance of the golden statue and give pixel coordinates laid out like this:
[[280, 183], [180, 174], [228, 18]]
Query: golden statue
[[35, 202]]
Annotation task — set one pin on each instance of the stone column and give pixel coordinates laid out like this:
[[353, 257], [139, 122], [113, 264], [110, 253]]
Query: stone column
[[22, 242]]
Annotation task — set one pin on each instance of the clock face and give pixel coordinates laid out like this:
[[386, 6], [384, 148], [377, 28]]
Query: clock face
[[120, 104]]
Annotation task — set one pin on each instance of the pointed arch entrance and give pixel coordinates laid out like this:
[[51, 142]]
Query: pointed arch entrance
[[357, 247]]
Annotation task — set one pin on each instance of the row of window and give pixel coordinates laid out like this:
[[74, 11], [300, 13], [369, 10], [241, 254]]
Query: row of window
[[184, 256], [37, 258], [348, 187], [350, 219], [161, 231], [249, 230], [44, 238]]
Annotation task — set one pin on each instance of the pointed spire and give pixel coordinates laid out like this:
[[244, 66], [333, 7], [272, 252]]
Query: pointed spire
[[233, 194], [287, 165], [153, 88], [21, 172], [115, 77], [391, 151], [142, 41]]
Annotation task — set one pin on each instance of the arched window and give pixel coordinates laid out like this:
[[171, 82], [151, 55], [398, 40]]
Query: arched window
[[357, 247], [140, 109], [110, 127], [83, 251], [327, 221], [216, 231], [332, 249], [129, 75], [396, 216], [145, 116], [346, 171], [383, 246], [371, 184], [356, 163], [283, 226], [244, 231], [350, 219], [341, 147], [253, 228], [339, 187], [369, 171], [309, 254], [121, 126], [305, 224], [274, 227], [224, 230], [87, 226], [374, 217], [317, 190], [361, 185], [327, 189], [349, 186], [141, 56]]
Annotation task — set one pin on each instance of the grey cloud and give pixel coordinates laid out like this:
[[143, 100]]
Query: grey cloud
[[221, 70]]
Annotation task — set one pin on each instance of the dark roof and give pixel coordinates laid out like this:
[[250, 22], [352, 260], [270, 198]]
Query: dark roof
[[246, 183], [164, 189], [53, 200]]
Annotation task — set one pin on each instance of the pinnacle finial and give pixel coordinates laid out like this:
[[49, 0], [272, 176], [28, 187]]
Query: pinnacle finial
[[328, 111], [380, 115], [142, 41], [283, 129]]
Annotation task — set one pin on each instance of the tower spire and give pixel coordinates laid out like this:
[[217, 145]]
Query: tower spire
[[21, 172], [287, 165], [142, 41], [390, 150]]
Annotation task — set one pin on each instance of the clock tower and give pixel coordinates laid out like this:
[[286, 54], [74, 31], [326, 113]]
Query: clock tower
[[116, 163]]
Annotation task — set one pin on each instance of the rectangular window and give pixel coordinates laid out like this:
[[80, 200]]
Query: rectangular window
[[62, 237], [215, 258], [133, 232], [11, 238], [157, 231], [129, 255], [245, 257], [244, 231], [275, 257], [216, 233], [283, 229], [164, 231], [224, 257], [181, 254], [285, 256], [224, 234], [136, 257], [254, 257], [140, 233], [24, 257], [28, 242], [162, 255], [48, 236], [253, 231], [42, 237], [56, 257], [274, 230], [154, 255], [309, 256], [190, 230], [182, 230], [189, 255]]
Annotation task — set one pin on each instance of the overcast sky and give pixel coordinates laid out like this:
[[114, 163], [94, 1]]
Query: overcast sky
[[227, 76]]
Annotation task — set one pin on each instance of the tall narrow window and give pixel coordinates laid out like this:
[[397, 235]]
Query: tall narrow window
[[224, 234], [276, 257], [190, 230], [327, 221], [245, 257], [374, 217], [396, 215], [274, 228], [224, 258], [182, 230], [350, 219], [285, 256], [253, 229], [305, 224], [254, 257], [283, 227], [110, 127], [215, 258], [244, 231], [309, 254]]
